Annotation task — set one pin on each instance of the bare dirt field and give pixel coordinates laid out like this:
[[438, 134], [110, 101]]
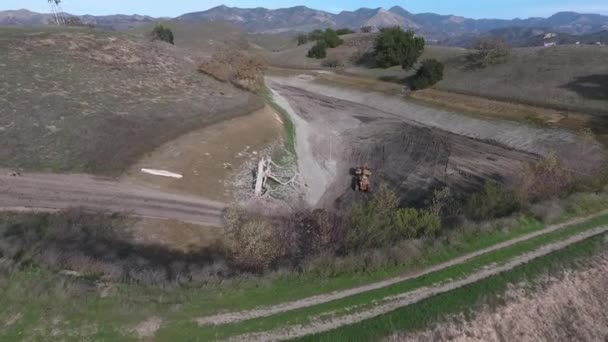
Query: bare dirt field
[[413, 148], [47, 191], [208, 158], [570, 307]]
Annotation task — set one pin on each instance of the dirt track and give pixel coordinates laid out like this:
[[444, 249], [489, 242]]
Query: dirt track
[[55, 192], [234, 317], [388, 304]]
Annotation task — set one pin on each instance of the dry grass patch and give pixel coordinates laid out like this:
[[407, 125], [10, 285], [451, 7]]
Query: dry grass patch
[[243, 69]]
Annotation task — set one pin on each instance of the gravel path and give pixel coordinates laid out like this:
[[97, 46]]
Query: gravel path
[[44, 192], [234, 317], [322, 324]]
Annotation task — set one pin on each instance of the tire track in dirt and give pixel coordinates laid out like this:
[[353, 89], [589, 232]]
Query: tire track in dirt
[[323, 324], [235, 317], [46, 192]]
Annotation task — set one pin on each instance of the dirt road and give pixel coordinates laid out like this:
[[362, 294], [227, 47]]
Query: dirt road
[[234, 317], [388, 304], [56, 192]]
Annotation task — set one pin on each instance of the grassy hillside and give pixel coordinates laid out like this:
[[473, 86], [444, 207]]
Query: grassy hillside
[[567, 77], [205, 38], [88, 101]]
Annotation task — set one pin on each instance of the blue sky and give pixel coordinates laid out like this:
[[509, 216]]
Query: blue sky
[[469, 8]]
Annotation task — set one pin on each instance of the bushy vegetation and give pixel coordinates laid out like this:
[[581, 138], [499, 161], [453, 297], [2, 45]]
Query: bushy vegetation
[[380, 222], [334, 63], [397, 47], [95, 245], [319, 50], [492, 201], [253, 242], [367, 29], [429, 73], [546, 178], [163, 33], [344, 31], [327, 39], [489, 52], [243, 69]]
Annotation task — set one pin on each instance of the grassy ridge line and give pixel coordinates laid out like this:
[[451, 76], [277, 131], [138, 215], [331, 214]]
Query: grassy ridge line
[[461, 300], [264, 312], [325, 324], [300, 319]]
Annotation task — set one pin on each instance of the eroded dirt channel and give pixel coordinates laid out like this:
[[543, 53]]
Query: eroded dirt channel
[[412, 148]]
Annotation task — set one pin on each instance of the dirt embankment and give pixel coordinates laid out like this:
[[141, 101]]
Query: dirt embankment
[[571, 307], [411, 147]]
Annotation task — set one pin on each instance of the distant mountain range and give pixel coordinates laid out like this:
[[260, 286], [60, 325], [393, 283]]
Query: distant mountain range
[[434, 27], [118, 22]]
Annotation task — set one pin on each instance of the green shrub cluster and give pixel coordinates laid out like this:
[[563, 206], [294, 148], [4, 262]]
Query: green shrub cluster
[[492, 201], [325, 39], [429, 73], [162, 33], [344, 31], [319, 50], [380, 222], [397, 47]]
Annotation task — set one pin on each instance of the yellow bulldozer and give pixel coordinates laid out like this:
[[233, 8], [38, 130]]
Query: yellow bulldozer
[[363, 175]]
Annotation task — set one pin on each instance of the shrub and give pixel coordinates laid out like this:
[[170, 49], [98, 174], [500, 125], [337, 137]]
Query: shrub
[[162, 33], [302, 39], [244, 70], [253, 242], [334, 63], [367, 29], [380, 223], [489, 52], [413, 223], [344, 31], [544, 179], [331, 39], [429, 73], [316, 35], [397, 47], [319, 50], [372, 222], [493, 201]]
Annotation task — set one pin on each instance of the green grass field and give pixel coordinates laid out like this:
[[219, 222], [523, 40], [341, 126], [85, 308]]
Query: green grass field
[[78, 308], [463, 300]]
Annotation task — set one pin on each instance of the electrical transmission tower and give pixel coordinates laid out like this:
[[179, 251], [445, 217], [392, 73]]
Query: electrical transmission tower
[[57, 11]]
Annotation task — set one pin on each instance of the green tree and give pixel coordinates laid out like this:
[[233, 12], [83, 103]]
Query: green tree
[[331, 38], [429, 73], [319, 50], [344, 31], [162, 33], [316, 35], [489, 52], [397, 47], [491, 202], [302, 39], [367, 29]]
